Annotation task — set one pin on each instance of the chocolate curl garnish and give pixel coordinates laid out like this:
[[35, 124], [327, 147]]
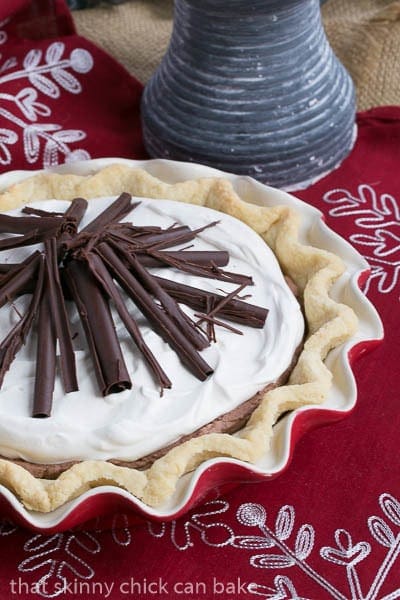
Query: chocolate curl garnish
[[160, 320], [161, 239], [60, 318], [211, 320], [72, 217], [99, 270], [115, 212], [234, 310], [18, 278], [34, 237], [111, 372], [222, 302], [25, 225], [198, 257], [211, 272], [28, 210], [16, 337], [170, 306], [45, 360]]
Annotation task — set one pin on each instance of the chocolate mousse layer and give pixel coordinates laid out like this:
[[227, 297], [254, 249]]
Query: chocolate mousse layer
[[230, 422]]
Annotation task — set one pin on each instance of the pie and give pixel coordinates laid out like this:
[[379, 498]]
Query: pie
[[140, 437]]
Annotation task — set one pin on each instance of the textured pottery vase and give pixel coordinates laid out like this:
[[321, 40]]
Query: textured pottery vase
[[251, 87]]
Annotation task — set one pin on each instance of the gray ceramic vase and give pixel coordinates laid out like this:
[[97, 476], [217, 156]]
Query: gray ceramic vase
[[251, 87]]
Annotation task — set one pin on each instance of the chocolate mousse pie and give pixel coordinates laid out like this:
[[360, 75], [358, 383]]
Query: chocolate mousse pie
[[148, 326]]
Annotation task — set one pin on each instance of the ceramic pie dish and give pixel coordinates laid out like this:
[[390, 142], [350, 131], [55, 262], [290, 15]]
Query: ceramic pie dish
[[190, 484]]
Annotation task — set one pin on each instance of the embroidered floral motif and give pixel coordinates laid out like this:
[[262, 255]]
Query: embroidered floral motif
[[49, 75], [378, 216], [57, 559], [63, 559]]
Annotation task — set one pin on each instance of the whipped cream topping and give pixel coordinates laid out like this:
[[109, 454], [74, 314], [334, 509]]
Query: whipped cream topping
[[136, 422]]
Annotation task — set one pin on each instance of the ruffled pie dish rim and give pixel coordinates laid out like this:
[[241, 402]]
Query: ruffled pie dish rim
[[319, 391]]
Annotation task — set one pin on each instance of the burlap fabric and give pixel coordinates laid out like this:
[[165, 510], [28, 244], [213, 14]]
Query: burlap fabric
[[365, 35]]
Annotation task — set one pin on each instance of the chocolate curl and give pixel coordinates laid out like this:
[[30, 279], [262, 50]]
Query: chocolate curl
[[25, 225], [111, 372], [60, 318], [211, 320], [34, 237], [211, 272], [16, 337], [28, 210], [222, 302], [171, 307], [99, 270], [234, 310], [160, 320], [73, 216], [161, 239], [115, 212], [19, 278], [45, 360], [198, 257]]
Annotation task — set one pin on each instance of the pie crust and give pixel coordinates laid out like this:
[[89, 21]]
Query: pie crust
[[329, 324]]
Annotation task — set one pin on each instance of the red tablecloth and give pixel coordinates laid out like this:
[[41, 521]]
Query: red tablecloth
[[329, 527]]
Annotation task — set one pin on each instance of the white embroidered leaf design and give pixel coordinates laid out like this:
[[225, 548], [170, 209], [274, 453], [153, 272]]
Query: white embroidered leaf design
[[6, 137], [379, 216], [120, 530], [54, 52], [253, 542], [384, 242], [44, 85], [26, 100], [67, 81], [284, 522], [283, 590], [391, 508], [50, 155], [10, 63], [346, 553], [381, 531], [49, 75], [32, 59], [271, 561], [69, 136], [31, 144], [304, 542], [56, 558]]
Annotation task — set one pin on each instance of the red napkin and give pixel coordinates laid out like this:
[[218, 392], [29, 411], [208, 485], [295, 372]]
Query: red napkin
[[61, 97]]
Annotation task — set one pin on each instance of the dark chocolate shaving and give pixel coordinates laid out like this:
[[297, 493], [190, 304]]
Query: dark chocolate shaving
[[115, 212], [99, 270], [169, 305], [161, 322], [60, 318], [17, 278], [25, 225], [45, 360], [197, 257], [234, 310], [94, 311], [29, 210], [210, 272], [16, 337]]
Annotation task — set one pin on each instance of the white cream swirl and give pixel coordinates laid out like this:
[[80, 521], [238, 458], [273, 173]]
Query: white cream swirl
[[133, 423]]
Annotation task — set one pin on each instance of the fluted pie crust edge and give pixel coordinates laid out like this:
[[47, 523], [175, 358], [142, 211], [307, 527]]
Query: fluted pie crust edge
[[329, 324]]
